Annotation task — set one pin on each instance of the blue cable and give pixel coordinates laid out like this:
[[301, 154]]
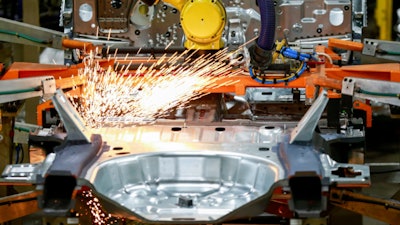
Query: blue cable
[[301, 71], [288, 53], [293, 54], [257, 79], [17, 150]]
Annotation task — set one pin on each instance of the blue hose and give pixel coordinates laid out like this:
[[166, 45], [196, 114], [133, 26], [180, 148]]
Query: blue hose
[[293, 54], [266, 38]]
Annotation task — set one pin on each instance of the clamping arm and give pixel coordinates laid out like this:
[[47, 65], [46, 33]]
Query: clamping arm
[[19, 89], [21, 33], [375, 90]]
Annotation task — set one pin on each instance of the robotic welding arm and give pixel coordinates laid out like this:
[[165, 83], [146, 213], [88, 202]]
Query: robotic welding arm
[[203, 22]]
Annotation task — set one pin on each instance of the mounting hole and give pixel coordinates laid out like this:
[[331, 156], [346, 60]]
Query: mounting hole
[[263, 149], [220, 129], [122, 153], [176, 128], [116, 4], [269, 127], [117, 148]]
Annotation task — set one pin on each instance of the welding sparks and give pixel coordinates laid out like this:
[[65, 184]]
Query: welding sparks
[[150, 92], [94, 209]]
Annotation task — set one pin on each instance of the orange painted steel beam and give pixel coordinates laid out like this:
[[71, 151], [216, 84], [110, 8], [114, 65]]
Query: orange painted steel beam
[[384, 71], [333, 79], [238, 84], [26, 69]]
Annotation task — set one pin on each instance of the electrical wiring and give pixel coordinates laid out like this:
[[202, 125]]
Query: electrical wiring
[[380, 51], [19, 157], [392, 53], [285, 52], [279, 45], [24, 36], [20, 91], [378, 93], [326, 56], [293, 54], [293, 76]]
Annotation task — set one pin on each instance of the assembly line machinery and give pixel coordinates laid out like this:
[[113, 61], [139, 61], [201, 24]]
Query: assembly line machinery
[[272, 141]]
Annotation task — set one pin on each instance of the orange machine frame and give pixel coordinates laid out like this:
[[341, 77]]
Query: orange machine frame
[[325, 75]]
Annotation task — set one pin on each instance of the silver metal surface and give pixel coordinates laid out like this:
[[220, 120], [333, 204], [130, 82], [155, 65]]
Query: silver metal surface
[[160, 27], [330, 166], [370, 47], [381, 49], [72, 121], [25, 172], [272, 95], [315, 18], [193, 173], [359, 18], [202, 173], [305, 128], [307, 45], [189, 173], [191, 185]]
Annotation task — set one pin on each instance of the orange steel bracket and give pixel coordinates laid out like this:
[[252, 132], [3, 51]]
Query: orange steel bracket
[[75, 44], [344, 44], [368, 110], [326, 82]]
